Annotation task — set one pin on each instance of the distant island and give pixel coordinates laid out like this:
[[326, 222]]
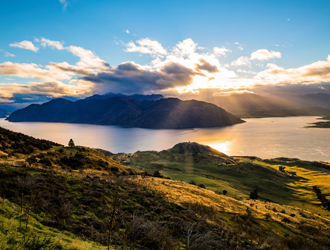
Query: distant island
[[170, 113], [320, 125]]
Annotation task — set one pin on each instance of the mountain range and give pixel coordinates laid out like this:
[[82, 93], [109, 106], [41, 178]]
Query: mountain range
[[4, 113], [170, 113], [253, 105]]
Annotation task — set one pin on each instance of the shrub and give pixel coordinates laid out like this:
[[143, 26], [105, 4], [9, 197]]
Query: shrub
[[157, 174], [224, 192], [201, 185], [254, 194]]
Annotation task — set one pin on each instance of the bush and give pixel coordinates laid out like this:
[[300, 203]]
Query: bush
[[201, 185], [157, 174], [254, 194], [224, 192], [192, 182]]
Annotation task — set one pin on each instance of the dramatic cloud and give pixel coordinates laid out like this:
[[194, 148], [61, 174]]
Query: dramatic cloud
[[186, 69], [207, 66], [221, 51], [25, 45], [146, 46], [264, 54]]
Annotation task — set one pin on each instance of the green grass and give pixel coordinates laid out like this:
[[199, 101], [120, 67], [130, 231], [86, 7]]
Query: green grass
[[15, 235], [241, 178]]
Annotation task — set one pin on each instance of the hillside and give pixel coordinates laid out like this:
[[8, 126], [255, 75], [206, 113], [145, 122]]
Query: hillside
[[168, 113], [302, 111], [238, 175], [245, 103], [78, 198], [248, 105]]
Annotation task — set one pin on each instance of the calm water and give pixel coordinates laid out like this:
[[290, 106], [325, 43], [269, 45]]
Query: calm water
[[265, 138]]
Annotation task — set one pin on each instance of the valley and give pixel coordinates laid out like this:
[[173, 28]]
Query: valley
[[69, 197]]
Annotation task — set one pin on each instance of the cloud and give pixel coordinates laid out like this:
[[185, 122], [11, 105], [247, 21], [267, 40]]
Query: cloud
[[130, 77], [264, 54], [87, 57], [25, 45], [146, 46], [33, 71], [207, 66], [53, 44], [26, 93], [261, 55], [127, 31], [221, 51], [7, 54], [65, 4], [240, 47], [314, 73], [180, 70], [241, 61]]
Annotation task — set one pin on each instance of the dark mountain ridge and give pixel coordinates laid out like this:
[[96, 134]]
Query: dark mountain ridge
[[170, 113]]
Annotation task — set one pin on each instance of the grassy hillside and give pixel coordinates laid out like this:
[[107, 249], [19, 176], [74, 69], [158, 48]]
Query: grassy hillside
[[241, 175], [79, 198]]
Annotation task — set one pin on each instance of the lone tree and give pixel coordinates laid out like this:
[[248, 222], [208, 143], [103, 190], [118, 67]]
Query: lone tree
[[71, 143]]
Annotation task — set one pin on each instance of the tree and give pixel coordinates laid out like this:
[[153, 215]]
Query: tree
[[71, 143], [224, 192]]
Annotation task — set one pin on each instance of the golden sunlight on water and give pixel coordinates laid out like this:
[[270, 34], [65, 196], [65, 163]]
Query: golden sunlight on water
[[222, 147]]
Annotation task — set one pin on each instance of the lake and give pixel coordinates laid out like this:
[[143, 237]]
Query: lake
[[265, 138]]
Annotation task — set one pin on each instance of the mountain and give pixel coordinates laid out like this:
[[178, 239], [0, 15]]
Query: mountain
[[137, 97], [4, 113], [302, 111], [57, 197], [245, 103], [168, 113], [317, 99], [248, 105]]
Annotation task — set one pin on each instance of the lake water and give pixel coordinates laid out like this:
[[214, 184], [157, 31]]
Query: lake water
[[265, 138]]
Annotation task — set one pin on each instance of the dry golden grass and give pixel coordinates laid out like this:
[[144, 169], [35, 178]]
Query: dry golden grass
[[183, 193]]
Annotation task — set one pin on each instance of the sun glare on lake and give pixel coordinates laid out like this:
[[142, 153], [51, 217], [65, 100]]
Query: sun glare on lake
[[222, 147]]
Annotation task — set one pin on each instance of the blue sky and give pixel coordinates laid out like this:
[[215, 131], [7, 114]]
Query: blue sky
[[290, 40]]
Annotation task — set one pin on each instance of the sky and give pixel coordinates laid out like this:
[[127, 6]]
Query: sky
[[182, 48]]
